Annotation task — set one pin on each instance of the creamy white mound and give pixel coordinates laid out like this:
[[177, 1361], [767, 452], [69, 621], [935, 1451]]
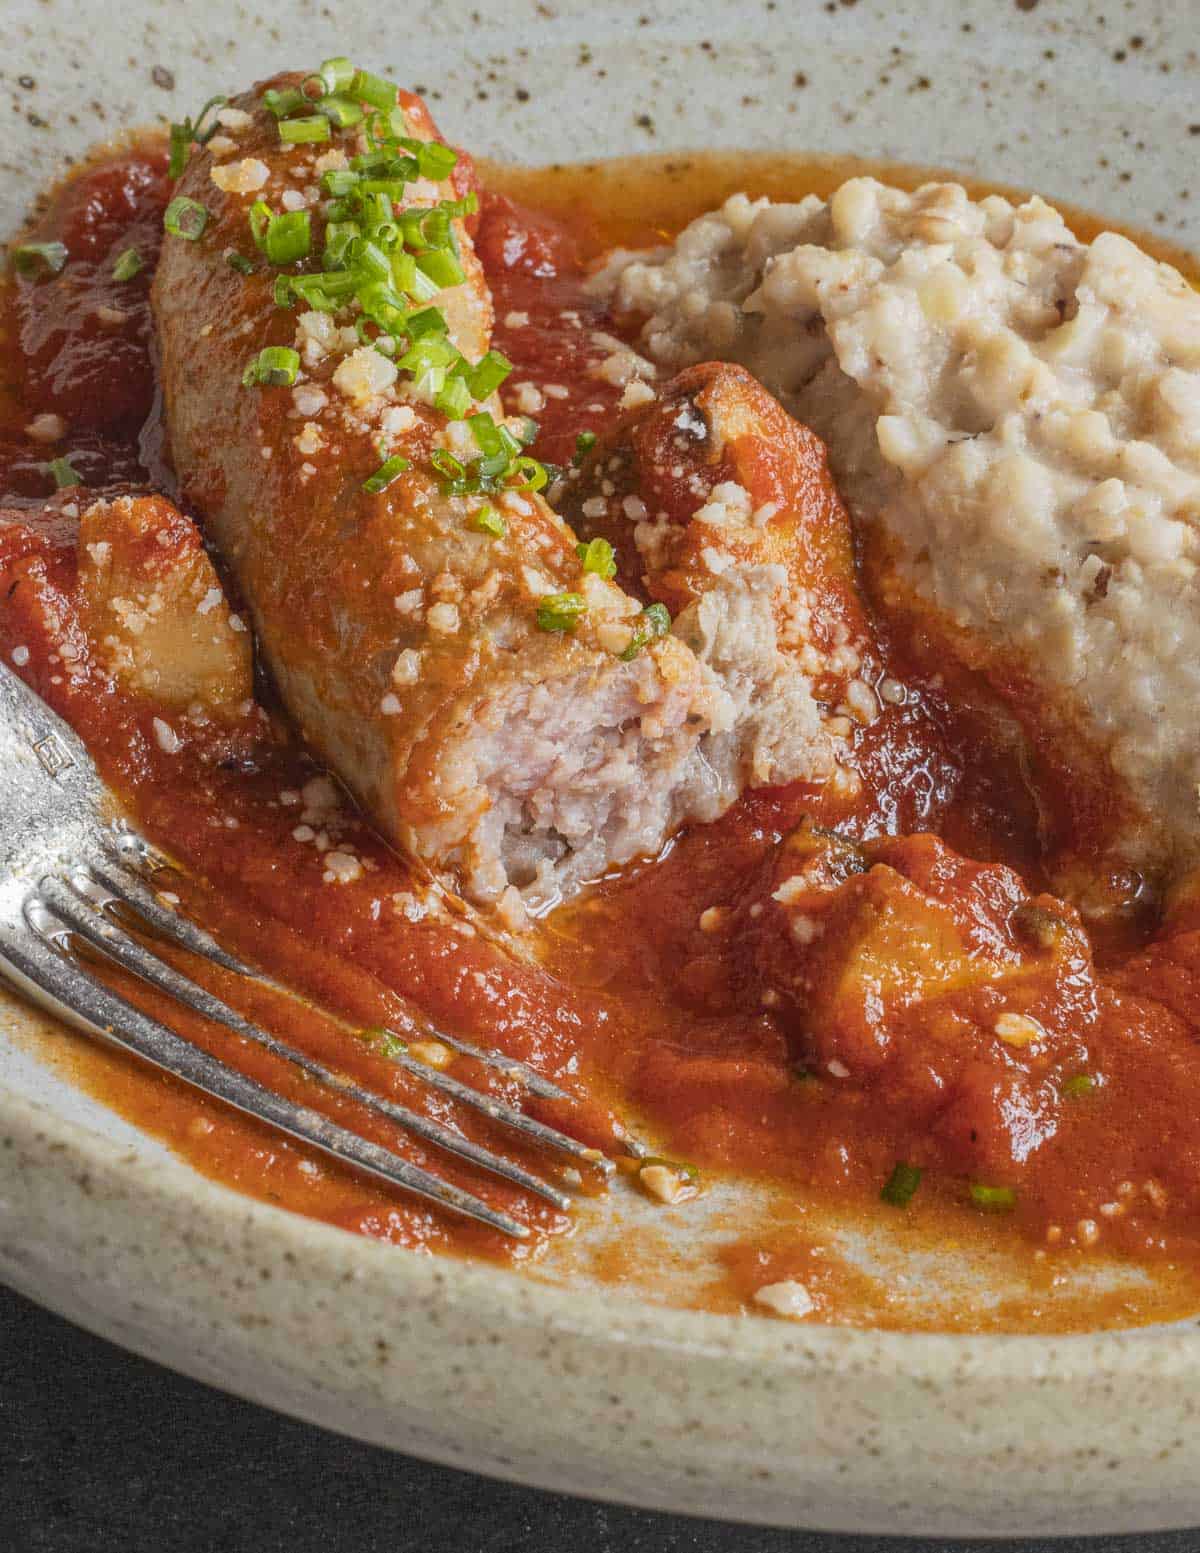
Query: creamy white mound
[[1018, 412]]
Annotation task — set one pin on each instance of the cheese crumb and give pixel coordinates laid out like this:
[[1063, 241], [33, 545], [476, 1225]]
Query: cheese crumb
[[443, 618], [407, 668], [787, 1298], [364, 374], [46, 428], [1018, 1029], [241, 177], [636, 393], [341, 868], [166, 738]]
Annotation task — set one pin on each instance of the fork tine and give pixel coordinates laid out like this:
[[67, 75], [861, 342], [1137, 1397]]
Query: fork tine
[[500, 1111], [79, 911], [38, 964], [131, 891]]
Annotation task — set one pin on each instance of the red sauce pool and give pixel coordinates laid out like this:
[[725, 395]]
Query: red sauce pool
[[625, 999]]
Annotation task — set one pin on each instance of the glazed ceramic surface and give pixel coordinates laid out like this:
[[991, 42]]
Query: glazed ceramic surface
[[556, 1380]]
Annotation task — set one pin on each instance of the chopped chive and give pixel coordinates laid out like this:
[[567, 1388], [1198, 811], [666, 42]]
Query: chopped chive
[[186, 218], [181, 145], [486, 434], [366, 87], [259, 217], [454, 400], [342, 112], [452, 471], [276, 366], [488, 521], [901, 1186], [441, 267], [993, 1199], [183, 135], [282, 103], [294, 132], [289, 237], [655, 622], [528, 432], [62, 473], [436, 160], [240, 263], [128, 264], [32, 258], [383, 1040], [533, 475], [202, 133], [1078, 1084], [429, 320], [584, 443], [336, 73], [597, 556], [337, 182], [388, 471], [488, 373], [560, 611]]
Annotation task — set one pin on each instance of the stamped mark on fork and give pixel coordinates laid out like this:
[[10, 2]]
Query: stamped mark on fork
[[53, 754]]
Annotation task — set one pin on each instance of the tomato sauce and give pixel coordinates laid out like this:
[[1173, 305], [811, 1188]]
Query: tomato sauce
[[637, 1008]]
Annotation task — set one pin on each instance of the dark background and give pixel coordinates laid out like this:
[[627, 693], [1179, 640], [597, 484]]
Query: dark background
[[101, 1452]]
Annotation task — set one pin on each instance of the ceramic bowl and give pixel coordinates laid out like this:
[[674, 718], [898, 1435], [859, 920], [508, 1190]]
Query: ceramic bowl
[[571, 1386]]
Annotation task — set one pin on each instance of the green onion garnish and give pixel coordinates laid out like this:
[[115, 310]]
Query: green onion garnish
[[488, 373], [560, 611], [383, 1040], [436, 160], [183, 135], [62, 473], [290, 100], [240, 263], [342, 112], [185, 218], [259, 217], [1078, 1084], [294, 132], [366, 87], [32, 258], [128, 264], [993, 1199], [901, 1186], [488, 521], [336, 74], [181, 145], [385, 474], [533, 475], [442, 267], [288, 237], [584, 443], [655, 622], [387, 260], [597, 556], [276, 366], [454, 400]]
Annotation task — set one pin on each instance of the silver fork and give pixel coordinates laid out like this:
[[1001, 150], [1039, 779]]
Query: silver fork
[[71, 869]]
